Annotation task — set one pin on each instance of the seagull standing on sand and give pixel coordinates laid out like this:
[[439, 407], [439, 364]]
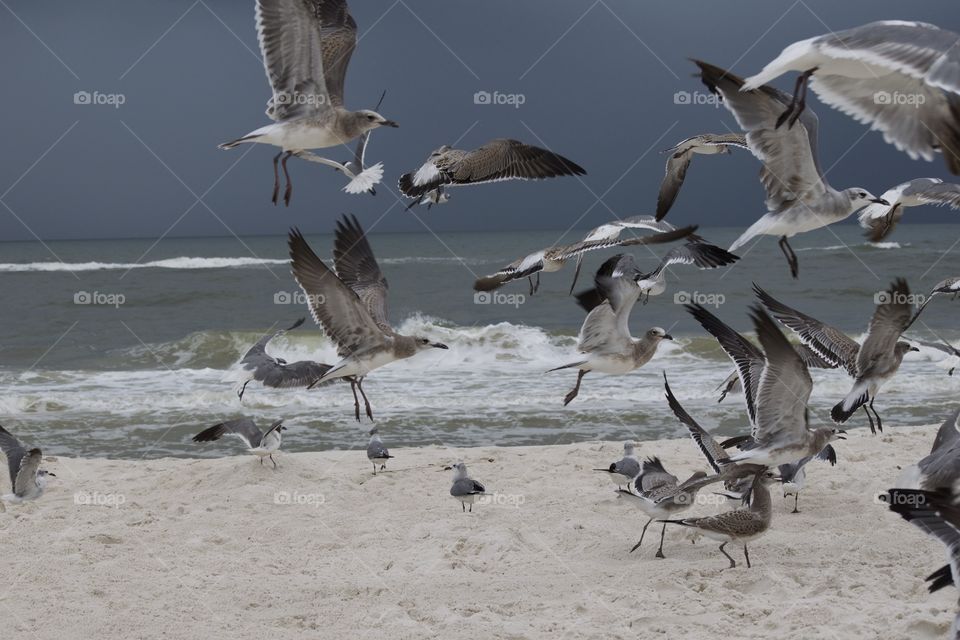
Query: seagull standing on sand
[[465, 489], [880, 220], [306, 47], [605, 335], [351, 306], [902, 78], [27, 479], [799, 199], [553, 258], [679, 160], [259, 365], [376, 452], [500, 159], [626, 469], [263, 445]]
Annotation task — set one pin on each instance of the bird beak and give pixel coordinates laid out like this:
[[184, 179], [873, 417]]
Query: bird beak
[[667, 336], [52, 474], [881, 201], [389, 123], [439, 345], [914, 349]]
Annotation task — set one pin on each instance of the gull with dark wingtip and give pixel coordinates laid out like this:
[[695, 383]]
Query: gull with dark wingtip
[[263, 445], [376, 452], [625, 469], [679, 160], [27, 480], [464, 488]]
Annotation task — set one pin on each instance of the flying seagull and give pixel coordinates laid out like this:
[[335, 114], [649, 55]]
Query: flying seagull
[[732, 383], [679, 160], [605, 335], [27, 479], [612, 231], [500, 159], [553, 258], [902, 78], [626, 469], [880, 220], [944, 347], [276, 372], [306, 47], [376, 452], [351, 307], [465, 489], [948, 286], [835, 346], [260, 444], [799, 199], [940, 469]]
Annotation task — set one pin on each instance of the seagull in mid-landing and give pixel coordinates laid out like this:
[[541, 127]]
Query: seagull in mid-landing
[[880, 220], [306, 47], [679, 160], [465, 489], [351, 306], [500, 159], [799, 199], [376, 452], [27, 479], [902, 78], [263, 445]]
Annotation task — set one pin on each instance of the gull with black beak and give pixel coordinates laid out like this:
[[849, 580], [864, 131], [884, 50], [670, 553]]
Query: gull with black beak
[[625, 469], [376, 452], [351, 306], [263, 445], [27, 479], [605, 338]]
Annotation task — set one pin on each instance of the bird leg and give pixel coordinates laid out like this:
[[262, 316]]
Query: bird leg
[[866, 410], [242, 389], [799, 100], [877, 415], [576, 389], [791, 256], [276, 178], [365, 401], [271, 460], [463, 505], [537, 286], [642, 533], [471, 507], [289, 190], [382, 467], [356, 400], [732, 563], [746, 554], [660, 550], [374, 468], [796, 499]]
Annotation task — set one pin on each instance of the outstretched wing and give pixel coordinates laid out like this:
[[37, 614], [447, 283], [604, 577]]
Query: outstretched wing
[[358, 269]]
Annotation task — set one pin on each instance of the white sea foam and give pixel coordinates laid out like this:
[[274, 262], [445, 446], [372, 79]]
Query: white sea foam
[[182, 262]]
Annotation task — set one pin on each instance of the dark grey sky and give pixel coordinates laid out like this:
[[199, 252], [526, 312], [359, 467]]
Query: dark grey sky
[[598, 79]]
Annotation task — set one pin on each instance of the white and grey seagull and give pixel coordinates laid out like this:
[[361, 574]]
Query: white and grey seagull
[[351, 306], [277, 373], [625, 469], [464, 488], [679, 160], [263, 445], [947, 286], [306, 47], [612, 231], [953, 354], [553, 258], [902, 78], [27, 479], [605, 338], [880, 220], [498, 160], [941, 468], [799, 198], [376, 452]]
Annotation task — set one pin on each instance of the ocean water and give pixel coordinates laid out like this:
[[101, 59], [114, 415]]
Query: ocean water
[[124, 348]]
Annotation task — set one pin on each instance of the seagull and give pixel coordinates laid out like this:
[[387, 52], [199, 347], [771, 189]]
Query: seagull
[[695, 251], [465, 489], [781, 432], [949, 286], [306, 47], [500, 159], [833, 345], [276, 372], [376, 452], [793, 476], [625, 469], [436, 196], [941, 468], [937, 514], [679, 160], [27, 479], [740, 526], [612, 230], [899, 77], [945, 347], [351, 307], [553, 258], [658, 494], [880, 220], [262, 445], [362, 180], [881, 353], [732, 382], [799, 199], [605, 335]]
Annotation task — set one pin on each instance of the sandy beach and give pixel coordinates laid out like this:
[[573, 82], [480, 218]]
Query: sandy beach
[[179, 548]]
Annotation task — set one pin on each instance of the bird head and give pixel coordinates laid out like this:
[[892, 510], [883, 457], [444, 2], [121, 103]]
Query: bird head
[[459, 470], [426, 343], [861, 197], [656, 333], [371, 120]]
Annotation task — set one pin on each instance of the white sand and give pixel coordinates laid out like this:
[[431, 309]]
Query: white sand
[[201, 549]]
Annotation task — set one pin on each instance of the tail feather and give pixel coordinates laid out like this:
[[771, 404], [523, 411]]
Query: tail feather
[[857, 397], [757, 228]]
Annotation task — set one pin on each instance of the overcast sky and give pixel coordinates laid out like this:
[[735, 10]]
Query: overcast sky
[[597, 80]]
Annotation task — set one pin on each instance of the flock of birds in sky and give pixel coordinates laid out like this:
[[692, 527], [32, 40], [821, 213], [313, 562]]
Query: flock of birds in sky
[[863, 71]]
